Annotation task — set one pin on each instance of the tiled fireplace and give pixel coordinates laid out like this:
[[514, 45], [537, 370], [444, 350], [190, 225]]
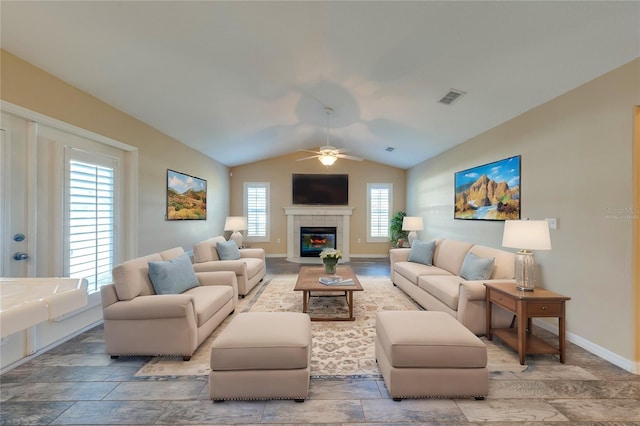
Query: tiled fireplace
[[322, 217]]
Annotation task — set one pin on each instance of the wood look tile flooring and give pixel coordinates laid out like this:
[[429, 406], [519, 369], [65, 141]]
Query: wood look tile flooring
[[77, 383]]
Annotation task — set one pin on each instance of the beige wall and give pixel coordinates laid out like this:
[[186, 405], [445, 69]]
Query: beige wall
[[577, 167], [636, 230], [278, 172], [29, 87]]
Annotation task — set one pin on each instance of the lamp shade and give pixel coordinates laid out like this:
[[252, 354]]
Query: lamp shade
[[412, 223], [526, 234], [235, 223]]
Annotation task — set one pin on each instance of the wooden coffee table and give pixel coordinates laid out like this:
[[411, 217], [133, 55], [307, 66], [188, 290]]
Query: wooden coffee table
[[308, 281]]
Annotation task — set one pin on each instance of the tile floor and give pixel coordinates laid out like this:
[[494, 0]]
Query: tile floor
[[77, 383]]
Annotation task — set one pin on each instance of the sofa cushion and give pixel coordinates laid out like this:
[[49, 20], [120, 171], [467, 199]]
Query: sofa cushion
[[445, 288], [228, 250], [131, 278], [504, 264], [422, 252], [205, 251], [412, 270], [476, 268], [449, 254], [172, 276], [208, 300]]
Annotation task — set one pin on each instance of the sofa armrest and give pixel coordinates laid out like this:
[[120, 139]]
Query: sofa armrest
[[257, 253], [219, 278], [475, 290], [108, 295], [399, 255], [236, 266], [157, 306]]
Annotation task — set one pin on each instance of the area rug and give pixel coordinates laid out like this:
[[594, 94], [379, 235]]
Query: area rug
[[340, 349]]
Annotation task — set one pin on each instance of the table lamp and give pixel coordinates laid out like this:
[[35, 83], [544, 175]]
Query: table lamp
[[412, 224], [236, 224], [532, 235]]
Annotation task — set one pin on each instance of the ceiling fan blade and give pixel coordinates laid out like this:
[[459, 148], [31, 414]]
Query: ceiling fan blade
[[349, 157], [308, 150], [308, 158]]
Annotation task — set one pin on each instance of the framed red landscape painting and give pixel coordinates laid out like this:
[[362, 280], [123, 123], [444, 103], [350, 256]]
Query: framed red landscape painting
[[489, 192]]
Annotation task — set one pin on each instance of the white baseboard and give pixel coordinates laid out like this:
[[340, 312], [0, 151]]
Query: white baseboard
[[607, 355]]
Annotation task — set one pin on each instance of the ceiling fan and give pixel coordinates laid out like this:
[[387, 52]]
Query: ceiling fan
[[328, 154]]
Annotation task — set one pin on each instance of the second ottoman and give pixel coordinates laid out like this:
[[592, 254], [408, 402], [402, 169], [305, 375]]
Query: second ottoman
[[262, 355], [430, 354]]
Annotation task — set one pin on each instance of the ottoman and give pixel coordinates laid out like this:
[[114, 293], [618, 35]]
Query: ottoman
[[430, 354], [262, 355]]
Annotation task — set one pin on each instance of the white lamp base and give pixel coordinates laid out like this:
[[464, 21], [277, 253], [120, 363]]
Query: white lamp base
[[413, 235], [525, 271], [237, 237]]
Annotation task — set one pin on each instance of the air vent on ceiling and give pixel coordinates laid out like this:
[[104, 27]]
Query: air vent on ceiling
[[452, 96], [389, 149]]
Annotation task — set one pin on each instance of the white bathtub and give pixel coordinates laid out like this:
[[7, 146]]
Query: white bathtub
[[25, 302]]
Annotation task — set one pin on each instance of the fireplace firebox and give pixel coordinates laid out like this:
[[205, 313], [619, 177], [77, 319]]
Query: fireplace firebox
[[313, 239]]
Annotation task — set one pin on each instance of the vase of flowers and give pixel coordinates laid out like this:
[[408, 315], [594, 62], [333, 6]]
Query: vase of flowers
[[330, 258]]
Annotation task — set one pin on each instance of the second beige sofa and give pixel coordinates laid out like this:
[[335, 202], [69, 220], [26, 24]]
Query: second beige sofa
[[439, 286], [250, 268]]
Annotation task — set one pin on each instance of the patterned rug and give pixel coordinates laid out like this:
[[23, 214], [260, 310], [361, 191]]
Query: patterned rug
[[340, 348]]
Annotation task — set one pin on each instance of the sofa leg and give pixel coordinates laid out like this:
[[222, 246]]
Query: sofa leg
[[479, 398], [115, 356], [232, 312], [186, 358], [396, 399], [218, 400], [299, 400]]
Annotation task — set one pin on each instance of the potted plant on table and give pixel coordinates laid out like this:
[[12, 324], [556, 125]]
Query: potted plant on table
[[398, 236], [330, 258]]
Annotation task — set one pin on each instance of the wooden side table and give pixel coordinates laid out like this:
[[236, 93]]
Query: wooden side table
[[527, 305]]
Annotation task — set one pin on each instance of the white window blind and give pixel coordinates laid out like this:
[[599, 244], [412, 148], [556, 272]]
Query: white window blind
[[379, 211], [257, 210], [90, 221]]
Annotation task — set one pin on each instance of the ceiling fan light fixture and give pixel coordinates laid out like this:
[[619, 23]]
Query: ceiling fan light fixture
[[327, 160]]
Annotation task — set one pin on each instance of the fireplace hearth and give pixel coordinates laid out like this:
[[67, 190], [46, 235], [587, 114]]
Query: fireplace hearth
[[313, 239]]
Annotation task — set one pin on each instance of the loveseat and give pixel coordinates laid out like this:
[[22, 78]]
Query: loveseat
[[249, 264], [158, 305], [450, 277]]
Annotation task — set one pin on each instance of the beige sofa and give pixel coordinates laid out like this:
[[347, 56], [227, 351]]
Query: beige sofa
[[250, 268], [440, 287], [137, 321]]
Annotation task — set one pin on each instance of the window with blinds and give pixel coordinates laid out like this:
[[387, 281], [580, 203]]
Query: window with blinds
[[379, 199], [256, 210], [90, 218]]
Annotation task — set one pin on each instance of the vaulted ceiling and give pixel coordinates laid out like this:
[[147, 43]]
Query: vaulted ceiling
[[245, 81]]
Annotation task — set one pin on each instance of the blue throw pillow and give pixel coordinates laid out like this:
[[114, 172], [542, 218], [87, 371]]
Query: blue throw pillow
[[476, 268], [422, 252], [172, 276], [228, 250]]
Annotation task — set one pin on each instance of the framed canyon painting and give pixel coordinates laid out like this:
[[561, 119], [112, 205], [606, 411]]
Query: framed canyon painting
[[186, 197], [489, 192]]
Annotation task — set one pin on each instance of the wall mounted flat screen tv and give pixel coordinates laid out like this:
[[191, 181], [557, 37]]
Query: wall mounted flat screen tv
[[316, 189]]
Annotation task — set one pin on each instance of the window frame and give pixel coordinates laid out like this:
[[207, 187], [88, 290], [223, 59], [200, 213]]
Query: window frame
[[375, 186], [247, 186]]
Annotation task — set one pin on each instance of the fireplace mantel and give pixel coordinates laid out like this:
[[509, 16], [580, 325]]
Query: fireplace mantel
[[317, 216]]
